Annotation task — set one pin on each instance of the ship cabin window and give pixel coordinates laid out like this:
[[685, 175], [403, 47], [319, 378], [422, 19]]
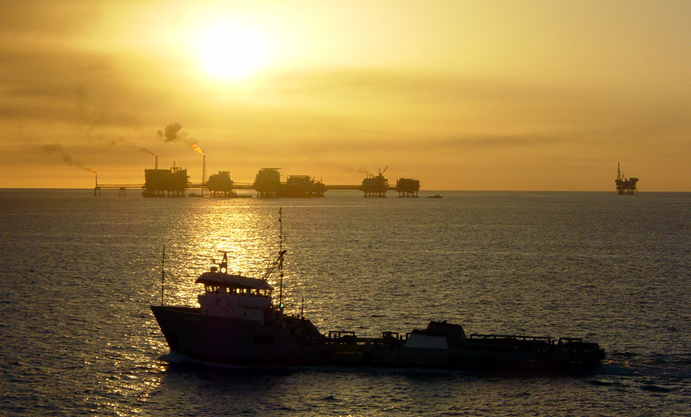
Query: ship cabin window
[[215, 289], [264, 293], [247, 292], [250, 292]]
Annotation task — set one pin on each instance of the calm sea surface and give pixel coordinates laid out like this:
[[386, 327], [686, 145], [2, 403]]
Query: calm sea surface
[[78, 273]]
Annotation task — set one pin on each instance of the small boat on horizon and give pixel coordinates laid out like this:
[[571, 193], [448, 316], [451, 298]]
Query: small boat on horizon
[[238, 323], [435, 196]]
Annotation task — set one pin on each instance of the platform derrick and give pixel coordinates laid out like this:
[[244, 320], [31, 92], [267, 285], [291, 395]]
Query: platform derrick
[[407, 187], [625, 186], [375, 186]]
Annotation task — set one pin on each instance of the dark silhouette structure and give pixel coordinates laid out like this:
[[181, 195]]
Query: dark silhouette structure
[[267, 183], [174, 182], [407, 187], [375, 186], [302, 186], [165, 182], [220, 185], [625, 186]]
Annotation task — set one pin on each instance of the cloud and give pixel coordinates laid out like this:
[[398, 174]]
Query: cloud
[[421, 88], [45, 18], [63, 86], [498, 141]]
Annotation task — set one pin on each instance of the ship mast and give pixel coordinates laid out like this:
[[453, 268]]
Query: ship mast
[[280, 258], [163, 271]]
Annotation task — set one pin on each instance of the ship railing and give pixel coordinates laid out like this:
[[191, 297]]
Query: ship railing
[[342, 337], [394, 335], [565, 340], [512, 337]]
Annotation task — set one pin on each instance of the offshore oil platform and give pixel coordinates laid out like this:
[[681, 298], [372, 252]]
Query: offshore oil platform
[[174, 182], [268, 184], [407, 187], [378, 185], [375, 186], [220, 185], [165, 182], [625, 186]]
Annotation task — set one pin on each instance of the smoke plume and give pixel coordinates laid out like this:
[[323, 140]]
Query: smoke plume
[[173, 133], [123, 142], [170, 133], [56, 150]]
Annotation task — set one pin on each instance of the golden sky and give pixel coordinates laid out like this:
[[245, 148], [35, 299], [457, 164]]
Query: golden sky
[[461, 94]]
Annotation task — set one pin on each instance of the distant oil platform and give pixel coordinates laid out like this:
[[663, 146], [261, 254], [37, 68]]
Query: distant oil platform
[[268, 184], [378, 185], [175, 182], [625, 186]]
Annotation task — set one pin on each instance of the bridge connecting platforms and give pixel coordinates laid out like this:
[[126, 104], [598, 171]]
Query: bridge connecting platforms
[[122, 188]]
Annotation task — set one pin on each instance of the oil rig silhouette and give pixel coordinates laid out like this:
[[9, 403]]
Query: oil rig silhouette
[[175, 182], [377, 186], [268, 184], [165, 182], [625, 186]]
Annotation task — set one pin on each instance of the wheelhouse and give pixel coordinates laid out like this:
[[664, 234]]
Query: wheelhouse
[[216, 282]]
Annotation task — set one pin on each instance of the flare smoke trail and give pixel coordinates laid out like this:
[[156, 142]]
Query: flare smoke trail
[[123, 142], [56, 150]]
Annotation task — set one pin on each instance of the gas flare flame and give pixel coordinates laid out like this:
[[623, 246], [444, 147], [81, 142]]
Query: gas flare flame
[[91, 170], [196, 148]]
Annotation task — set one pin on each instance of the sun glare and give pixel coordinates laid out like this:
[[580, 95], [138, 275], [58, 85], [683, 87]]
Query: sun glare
[[231, 52]]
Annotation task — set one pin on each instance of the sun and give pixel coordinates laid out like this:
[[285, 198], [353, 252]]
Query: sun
[[231, 52]]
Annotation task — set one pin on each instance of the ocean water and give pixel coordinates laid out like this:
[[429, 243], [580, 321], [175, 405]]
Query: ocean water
[[78, 273]]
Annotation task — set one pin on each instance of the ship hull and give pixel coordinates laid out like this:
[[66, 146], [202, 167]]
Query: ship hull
[[462, 358], [296, 342], [229, 341]]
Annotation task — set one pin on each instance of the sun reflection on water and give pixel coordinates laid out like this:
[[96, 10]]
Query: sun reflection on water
[[250, 237]]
